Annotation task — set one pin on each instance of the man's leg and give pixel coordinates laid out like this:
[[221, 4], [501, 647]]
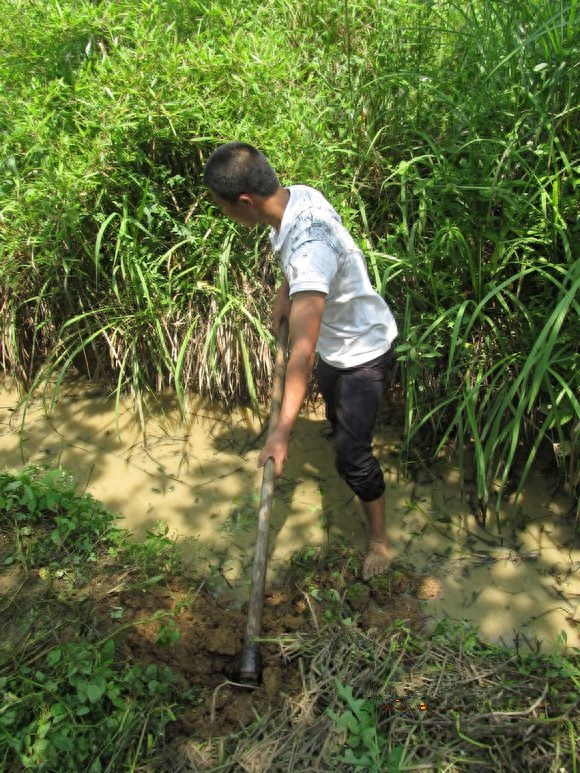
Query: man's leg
[[357, 396], [379, 556], [327, 378]]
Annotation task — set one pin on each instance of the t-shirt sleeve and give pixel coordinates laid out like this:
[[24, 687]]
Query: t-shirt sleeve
[[311, 267]]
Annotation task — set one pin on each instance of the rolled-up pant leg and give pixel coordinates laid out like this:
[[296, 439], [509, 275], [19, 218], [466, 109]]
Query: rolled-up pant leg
[[352, 398]]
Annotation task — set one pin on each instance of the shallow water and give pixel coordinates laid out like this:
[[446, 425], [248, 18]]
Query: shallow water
[[201, 480]]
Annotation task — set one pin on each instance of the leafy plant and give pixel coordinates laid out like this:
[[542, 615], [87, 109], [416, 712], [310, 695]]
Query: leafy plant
[[68, 699], [168, 635], [76, 525], [157, 551], [79, 710], [359, 722]]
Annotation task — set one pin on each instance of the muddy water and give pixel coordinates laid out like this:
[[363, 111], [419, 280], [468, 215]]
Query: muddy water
[[200, 480]]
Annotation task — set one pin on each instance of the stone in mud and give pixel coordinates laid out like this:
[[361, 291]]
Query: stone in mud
[[291, 623], [276, 598]]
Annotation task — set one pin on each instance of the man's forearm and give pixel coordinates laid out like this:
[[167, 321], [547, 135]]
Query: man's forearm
[[305, 319], [296, 385]]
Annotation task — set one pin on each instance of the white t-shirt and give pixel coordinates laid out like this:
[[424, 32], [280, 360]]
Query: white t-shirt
[[318, 253]]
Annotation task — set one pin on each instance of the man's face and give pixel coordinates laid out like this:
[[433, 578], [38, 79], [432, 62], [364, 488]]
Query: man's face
[[242, 211]]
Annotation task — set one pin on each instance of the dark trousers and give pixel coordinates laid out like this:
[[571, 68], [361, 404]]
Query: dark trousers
[[352, 398]]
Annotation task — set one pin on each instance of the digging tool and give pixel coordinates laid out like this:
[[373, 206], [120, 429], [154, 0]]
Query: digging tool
[[251, 661]]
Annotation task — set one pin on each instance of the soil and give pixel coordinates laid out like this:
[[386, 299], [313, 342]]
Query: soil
[[206, 655]]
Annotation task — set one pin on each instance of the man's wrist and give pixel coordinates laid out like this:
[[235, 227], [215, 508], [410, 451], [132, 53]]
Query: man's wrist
[[283, 430]]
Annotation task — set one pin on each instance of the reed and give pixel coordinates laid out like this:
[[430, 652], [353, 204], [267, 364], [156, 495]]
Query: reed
[[445, 133]]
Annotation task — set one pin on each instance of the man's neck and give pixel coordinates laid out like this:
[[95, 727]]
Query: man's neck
[[273, 207]]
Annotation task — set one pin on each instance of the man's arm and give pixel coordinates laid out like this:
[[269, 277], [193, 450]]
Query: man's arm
[[305, 318], [281, 306]]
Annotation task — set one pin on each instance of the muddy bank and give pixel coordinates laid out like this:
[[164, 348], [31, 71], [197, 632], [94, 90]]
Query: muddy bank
[[200, 480]]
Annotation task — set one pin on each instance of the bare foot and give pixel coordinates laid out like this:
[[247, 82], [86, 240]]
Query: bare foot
[[378, 560]]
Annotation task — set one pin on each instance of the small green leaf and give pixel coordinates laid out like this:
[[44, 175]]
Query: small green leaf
[[58, 711], [54, 657], [96, 689]]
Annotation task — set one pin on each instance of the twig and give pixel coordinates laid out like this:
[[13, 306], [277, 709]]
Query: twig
[[522, 713]]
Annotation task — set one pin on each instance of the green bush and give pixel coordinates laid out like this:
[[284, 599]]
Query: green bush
[[443, 132], [73, 523]]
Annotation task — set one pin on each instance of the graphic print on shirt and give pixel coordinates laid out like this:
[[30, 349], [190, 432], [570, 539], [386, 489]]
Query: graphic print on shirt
[[318, 254]]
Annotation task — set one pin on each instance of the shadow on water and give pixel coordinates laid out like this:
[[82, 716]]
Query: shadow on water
[[201, 480]]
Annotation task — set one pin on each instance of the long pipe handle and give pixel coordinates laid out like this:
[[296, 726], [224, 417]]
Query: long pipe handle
[[254, 624]]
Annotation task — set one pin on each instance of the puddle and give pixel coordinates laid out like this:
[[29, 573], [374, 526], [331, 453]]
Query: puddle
[[201, 480]]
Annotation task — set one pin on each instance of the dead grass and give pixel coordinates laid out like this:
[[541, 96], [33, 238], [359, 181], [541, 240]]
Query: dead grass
[[481, 711]]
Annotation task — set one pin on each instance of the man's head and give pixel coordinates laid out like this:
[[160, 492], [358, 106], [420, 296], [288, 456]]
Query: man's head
[[237, 174], [237, 168]]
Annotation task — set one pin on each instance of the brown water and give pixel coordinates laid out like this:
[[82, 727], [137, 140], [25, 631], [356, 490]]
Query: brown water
[[200, 479]]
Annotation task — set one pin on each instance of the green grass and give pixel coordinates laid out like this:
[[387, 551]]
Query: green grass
[[73, 696], [445, 133]]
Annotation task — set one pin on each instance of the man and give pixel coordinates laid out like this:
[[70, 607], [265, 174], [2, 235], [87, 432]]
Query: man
[[332, 309]]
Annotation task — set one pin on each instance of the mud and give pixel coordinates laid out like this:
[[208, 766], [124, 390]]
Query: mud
[[199, 479], [205, 656]]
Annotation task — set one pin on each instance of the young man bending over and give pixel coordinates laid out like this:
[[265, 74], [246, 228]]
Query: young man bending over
[[332, 309]]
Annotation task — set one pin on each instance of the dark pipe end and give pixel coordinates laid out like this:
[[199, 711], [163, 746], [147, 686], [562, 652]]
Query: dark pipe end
[[251, 667]]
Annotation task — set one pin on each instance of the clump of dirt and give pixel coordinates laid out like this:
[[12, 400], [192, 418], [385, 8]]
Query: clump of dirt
[[206, 635], [429, 588], [204, 652]]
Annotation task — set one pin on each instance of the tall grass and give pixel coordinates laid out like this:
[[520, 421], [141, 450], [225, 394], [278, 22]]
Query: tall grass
[[487, 194], [445, 133]]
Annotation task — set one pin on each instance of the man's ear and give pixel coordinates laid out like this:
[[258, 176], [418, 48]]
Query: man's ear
[[246, 199]]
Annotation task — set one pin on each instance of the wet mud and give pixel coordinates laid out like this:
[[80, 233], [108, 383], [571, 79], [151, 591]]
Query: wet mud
[[199, 481]]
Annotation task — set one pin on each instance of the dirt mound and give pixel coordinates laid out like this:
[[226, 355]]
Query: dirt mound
[[202, 645], [200, 637]]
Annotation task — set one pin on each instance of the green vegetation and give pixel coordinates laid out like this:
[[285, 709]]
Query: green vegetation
[[359, 720], [85, 681], [70, 700], [444, 132]]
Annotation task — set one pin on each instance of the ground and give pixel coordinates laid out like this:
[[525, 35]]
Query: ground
[[355, 675], [332, 645], [318, 591]]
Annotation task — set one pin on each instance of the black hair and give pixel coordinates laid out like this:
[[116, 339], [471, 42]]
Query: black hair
[[236, 168]]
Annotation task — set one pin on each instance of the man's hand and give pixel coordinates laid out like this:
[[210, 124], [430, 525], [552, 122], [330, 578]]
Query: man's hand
[[276, 448]]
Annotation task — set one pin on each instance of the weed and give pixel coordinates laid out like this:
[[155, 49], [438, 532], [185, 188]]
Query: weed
[[78, 710], [557, 667], [76, 526], [157, 551], [168, 635], [77, 704], [242, 516], [359, 723]]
